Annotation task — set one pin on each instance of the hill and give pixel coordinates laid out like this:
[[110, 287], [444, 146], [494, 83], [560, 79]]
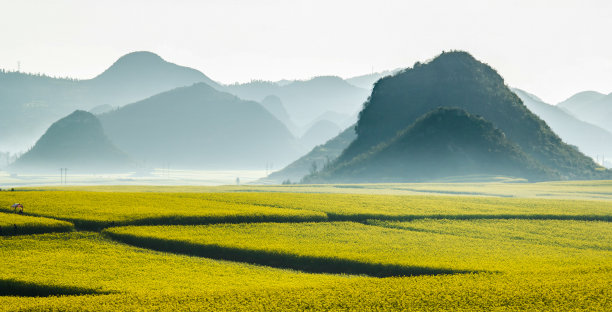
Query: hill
[[306, 100], [31, 103], [590, 139], [321, 156], [444, 143], [457, 79], [77, 142], [198, 127], [592, 107]]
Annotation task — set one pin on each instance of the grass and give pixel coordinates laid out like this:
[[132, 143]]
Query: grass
[[16, 224]]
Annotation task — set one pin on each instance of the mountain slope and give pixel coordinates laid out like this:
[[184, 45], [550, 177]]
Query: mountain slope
[[31, 103], [592, 107], [76, 142], [320, 156], [590, 139], [198, 127], [319, 133], [445, 142], [457, 79]]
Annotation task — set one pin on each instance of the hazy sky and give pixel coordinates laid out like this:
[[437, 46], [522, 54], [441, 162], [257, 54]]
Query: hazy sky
[[550, 48]]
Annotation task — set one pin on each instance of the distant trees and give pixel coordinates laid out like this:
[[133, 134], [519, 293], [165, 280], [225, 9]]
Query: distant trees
[[314, 168]]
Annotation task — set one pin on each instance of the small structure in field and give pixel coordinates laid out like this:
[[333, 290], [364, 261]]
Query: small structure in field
[[16, 206]]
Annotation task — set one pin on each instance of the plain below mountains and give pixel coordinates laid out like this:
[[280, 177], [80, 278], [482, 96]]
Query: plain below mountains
[[198, 127], [458, 80], [76, 142], [29, 103]]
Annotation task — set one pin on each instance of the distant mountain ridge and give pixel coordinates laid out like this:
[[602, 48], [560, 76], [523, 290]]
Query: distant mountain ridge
[[592, 107], [590, 139], [367, 81], [306, 100], [34, 102]]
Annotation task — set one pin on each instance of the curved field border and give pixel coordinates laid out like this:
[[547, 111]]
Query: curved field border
[[311, 264], [11, 287]]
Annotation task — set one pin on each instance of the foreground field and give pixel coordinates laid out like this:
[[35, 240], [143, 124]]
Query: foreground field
[[258, 251]]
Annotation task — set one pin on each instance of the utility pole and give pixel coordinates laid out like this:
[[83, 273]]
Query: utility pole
[[18, 66], [63, 175]]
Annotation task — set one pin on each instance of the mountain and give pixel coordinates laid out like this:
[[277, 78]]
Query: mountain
[[198, 127], [319, 133], [139, 75], [306, 100], [592, 107], [76, 142], [590, 139], [320, 156], [574, 102], [456, 79], [443, 143], [30, 103]]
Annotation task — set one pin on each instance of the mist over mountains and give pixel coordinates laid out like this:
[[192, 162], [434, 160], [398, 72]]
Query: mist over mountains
[[452, 116]]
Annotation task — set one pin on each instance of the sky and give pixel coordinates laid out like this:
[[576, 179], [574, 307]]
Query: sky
[[552, 49]]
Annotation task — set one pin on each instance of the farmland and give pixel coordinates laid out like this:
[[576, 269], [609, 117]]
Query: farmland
[[154, 248]]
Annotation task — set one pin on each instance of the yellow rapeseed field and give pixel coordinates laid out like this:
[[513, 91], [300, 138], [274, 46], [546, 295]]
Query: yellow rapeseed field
[[378, 247], [360, 207]]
